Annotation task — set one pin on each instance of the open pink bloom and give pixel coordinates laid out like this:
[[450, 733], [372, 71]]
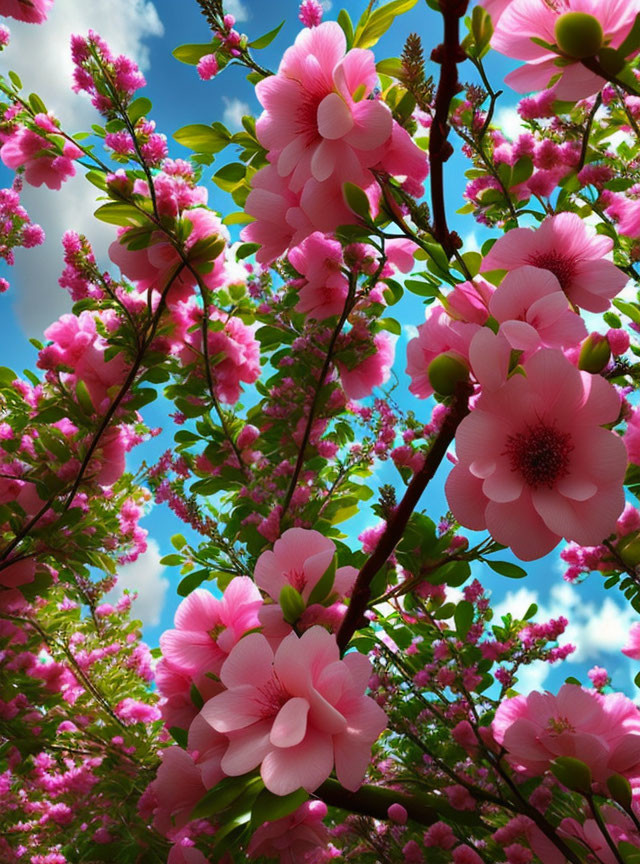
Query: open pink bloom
[[207, 628], [178, 787], [324, 289], [371, 372], [26, 148], [17, 573], [524, 20], [174, 685], [533, 311], [632, 646], [601, 730], [300, 558], [31, 11], [234, 352], [296, 713], [291, 838], [571, 250], [620, 829], [155, 265], [526, 470], [440, 334], [279, 220]]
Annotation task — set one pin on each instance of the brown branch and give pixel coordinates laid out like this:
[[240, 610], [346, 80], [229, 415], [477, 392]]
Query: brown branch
[[398, 522], [448, 54], [374, 801]]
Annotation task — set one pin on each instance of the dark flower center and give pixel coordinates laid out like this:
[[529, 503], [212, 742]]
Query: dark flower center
[[540, 454], [562, 267]]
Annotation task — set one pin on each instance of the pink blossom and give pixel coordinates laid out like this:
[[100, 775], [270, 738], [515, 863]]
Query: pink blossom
[[495, 8], [291, 838], [469, 301], [632, 645], [533, 311], [300, 558], [133, 711], [17, 573], [619, 827], [632, 437], [154, 266], [324, 290], [296, 713], [177, 788], [601, 730], [206, 629], [569, 249], [33, 12], [371, 372], [525, 20], [207, 67], [310, 13], [41, 162], [526, 470]]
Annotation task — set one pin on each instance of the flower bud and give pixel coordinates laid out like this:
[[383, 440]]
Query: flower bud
[[594, 354], [291, 603], [445, 372], [629, 550], [398, 814], [579, 34]]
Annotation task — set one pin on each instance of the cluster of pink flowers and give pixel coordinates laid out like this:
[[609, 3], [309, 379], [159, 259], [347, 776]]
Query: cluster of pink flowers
[[322, 127], [110, 80], [524, 452], [43, 161], [33, 11], [16, 229]]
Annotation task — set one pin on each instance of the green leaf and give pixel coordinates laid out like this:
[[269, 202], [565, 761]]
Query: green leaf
[[37, 104], [221, 796], [15, 80], [505, 568], [178, 541], [291, 603], [344, 20], [392, 67], [391, 325], [246, 249], [323, 586], [463, 618], [371, 27], [268, 38], [631, 41], [124, 215], [172, 560], [192, 53], [192, 581], [83, 397], [357, 200], [7, 376], [629, 309], [269, 807], [203, 139], [620, 790], [179, 735], [140, 107], [572, 773]]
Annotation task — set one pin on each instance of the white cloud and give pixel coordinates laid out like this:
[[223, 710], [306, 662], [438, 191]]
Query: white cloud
[[516, 602], [326, 5], [146, 577], [41, 56], [410, 331], [509, 121], [470, 242], [234, 111], [532, 677], [237, 9]]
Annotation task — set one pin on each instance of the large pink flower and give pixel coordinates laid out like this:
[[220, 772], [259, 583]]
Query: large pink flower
[[207, 628], [571, 250], [525, 20], [533, 311], [602, 731], [31, 11], [300, 558], [291, 838], [41, 164], [526, 468], [296, 713]]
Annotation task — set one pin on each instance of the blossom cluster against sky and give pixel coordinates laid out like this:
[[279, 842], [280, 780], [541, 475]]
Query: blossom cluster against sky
[[148, 31]]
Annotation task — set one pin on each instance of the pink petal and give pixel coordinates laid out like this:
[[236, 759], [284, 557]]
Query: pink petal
[[290, 725], [518, 525], [373, 125], [466, 499], [247, 749], [503, 485], [335, 119], [307, 765], [232, 709], [520, 335], [250, 662]]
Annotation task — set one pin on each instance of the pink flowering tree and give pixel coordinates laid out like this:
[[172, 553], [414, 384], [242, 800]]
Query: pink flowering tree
[[327, 691]]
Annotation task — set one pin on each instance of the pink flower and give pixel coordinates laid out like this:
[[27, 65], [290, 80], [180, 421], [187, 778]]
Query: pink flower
[[300, 558], [571, 250], [206, 629], [526, 470], [207, 67], [155, 265], [17, 573], [324, 290], [602, 731], [177, 788], [41, 163], [296, 713], [533, 311], [183, 853], [33, 12], [310, 13], [133, 711], [440, 334], [469, 301], [525, 20], [290, 839], [619, 826], [371, 372], [632, 437], [495, 8], [632, 645]]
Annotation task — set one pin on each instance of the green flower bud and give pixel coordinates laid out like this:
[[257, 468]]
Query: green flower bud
[[291, 603], [579, 35], [445, 372], [629, 550], [594, 354]]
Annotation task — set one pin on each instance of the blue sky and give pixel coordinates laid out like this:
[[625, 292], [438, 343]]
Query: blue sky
[[149, 31]]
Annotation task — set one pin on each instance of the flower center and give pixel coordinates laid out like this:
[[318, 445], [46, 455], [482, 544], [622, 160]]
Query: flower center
[[272, 696], [559, 725], [307, 118], [296, 578], [560, 265], [540, 454]]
